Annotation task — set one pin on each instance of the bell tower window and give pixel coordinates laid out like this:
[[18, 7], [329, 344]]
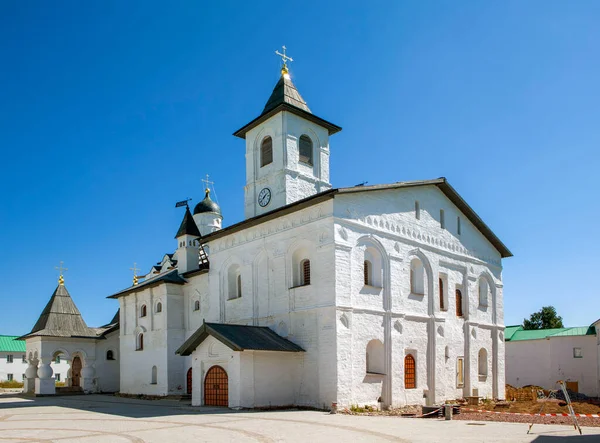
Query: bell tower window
[[266, 151], [306, 150]]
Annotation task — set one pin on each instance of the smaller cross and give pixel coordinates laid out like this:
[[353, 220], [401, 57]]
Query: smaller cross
[[61, 279], [285, 58], [208, 182], [135, 277]]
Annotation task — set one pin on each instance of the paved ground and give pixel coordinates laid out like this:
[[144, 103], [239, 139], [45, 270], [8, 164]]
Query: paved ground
[[97, 418]]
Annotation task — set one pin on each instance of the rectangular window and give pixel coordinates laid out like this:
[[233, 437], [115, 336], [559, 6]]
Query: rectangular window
[[460, 372], [57, 359], [417, 210], [9, 377], [442, 219], [9, 358], [24, 358], [23, 375], [57, 376], [458, 225], [577, 353]]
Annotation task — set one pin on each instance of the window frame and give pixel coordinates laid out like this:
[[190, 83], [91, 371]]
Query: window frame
[[310, 161], [305, 272], [139, 342], [459, 303], [196, 305], [158, 309], [460, 372], [9, 358], [410, 377], [577, 352], [262, 150], [143, 311]]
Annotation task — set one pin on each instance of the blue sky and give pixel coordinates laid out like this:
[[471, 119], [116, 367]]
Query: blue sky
[[110, 112]]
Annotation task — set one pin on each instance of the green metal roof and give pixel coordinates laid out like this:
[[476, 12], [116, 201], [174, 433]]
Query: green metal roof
[[517, 333], [8, 343]]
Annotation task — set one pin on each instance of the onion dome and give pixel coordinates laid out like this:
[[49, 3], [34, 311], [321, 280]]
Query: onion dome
[[207, 205]]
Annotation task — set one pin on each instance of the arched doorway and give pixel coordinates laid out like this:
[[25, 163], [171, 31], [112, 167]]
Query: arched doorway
[[189, 381], [76, 371], [216, 387]]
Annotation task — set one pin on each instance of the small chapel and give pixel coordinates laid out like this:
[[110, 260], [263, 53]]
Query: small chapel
[[385, 294]]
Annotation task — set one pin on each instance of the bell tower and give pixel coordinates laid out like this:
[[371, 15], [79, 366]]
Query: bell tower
[[287, 150]]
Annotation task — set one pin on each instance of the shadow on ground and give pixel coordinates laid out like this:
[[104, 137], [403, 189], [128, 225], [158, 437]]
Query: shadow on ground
[[571, 438], [109, 404]]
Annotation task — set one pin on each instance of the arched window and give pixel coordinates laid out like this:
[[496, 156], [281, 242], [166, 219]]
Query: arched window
[[197, 305], [159, 307], [483, 292], [417, 277], [140, 342], [266, 151], [441, 284], [234, 282], [305, 268], [110, 355], [154, 379], [410, 373], [368, 273], [375, 357], [143, 311], [483, 362], [459, 303], [306, 150]]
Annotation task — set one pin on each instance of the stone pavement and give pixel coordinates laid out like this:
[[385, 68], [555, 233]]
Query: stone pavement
[[102, 418]]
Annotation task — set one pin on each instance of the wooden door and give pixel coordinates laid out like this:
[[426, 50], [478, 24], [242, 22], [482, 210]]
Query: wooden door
[[76, 371], [573, 386], [189, 381], [216, 387]]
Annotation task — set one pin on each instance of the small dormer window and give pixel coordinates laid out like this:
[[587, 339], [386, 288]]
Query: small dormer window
[[266, 151], [306, 150]]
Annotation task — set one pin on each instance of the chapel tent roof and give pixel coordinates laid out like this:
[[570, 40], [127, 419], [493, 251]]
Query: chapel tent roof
[[517, 333], [11, 343], [441, 183], [171, 276], [61, 318], [239, 338], [285, 97], [188, 225]]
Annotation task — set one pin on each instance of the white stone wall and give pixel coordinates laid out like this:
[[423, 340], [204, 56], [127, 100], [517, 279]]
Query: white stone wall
[[17, 367], [163, 334], [543, 362], [384, 225], [267, 258], [288, 179], [108, 371]]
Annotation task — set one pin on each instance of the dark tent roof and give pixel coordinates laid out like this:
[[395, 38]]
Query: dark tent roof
[[61, 318], [239, 338], [188, 225], [285, 92], [285, 97]]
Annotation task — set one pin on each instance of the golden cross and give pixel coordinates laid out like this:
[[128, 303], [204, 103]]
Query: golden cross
[[285, 58], [208, 182], [61, 279], [135, 277]]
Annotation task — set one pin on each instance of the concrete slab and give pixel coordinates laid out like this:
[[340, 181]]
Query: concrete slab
[[98, 418]]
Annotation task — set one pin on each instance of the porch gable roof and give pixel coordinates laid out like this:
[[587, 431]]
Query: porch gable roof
[[239, 338]]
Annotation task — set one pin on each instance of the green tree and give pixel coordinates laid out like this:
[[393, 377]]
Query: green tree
[[546, 318]]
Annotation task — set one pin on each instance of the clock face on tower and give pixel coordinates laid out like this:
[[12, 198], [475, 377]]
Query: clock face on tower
[[264, 197]]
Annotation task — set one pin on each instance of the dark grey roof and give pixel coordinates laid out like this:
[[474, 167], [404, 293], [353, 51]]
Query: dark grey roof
[[61, 318], [285, 97], [207, 205], [285, 92], [441, 183], [116, 318], [171, 276], [239, 338], [188, 225]]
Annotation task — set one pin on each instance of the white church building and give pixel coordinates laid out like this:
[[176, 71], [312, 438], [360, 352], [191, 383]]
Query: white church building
[[386, 294]]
